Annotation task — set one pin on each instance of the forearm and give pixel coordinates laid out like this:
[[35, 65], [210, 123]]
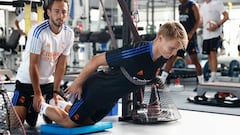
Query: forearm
[[85, 73], [59, 72], [91, 67], [194, 29], [225, 18], [34, 75], [17, 25]]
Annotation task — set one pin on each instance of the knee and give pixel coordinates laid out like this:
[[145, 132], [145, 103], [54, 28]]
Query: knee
[[60, 113]]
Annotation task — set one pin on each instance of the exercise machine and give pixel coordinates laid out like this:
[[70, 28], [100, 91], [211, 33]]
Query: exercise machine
[[9, 55], [228, 67]]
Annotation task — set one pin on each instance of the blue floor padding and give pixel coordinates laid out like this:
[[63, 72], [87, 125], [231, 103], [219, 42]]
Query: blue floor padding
[[59, 130]]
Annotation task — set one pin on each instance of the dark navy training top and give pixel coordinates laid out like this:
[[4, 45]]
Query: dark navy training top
[[186, 16], [136, 59]]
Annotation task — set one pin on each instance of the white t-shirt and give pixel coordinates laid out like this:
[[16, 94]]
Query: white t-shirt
[[42, 41], [211, 11]]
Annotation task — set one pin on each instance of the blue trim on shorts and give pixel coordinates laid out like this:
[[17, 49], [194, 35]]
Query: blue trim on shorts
[[150, 49], [15, 97], [75, 107]]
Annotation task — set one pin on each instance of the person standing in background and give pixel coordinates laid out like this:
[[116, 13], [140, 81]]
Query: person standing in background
[[211, 11], [189, 17], [20, 16]]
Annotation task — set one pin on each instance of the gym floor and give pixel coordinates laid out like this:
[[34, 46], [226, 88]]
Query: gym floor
[[191, 123]]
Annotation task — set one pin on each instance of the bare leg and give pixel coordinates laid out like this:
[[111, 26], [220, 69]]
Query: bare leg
[[213, 61], [59, 116], [169, 64], [21, 111], [13, 122], [195, 61]]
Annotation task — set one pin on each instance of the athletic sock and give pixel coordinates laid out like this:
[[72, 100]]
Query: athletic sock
[[60, 103], [200, 79], [213, 75], [164, 76], [44, 107]]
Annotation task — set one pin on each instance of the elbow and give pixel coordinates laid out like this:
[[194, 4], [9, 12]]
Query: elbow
[[99, 60], [225, 16], [16, 22], [93, 62]]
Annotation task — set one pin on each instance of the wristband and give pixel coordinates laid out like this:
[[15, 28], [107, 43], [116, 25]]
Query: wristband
[[60, 93], [56, 91]]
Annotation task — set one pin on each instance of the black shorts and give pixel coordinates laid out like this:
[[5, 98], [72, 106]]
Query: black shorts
[[100, 93], [210, 45], [23, 94], [191, 49]]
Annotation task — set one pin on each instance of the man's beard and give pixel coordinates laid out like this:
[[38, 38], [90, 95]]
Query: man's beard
[[55, 23]]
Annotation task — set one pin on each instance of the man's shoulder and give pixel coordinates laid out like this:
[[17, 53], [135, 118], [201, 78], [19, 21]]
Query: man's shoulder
[[140, 43], [42, 25], [38, 28], [191, 3], [68, 28]]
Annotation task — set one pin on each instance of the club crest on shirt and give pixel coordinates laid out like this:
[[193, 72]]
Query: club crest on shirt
[[48, 45], [76, 117], [140, 72], [62, 45], [22, 99]]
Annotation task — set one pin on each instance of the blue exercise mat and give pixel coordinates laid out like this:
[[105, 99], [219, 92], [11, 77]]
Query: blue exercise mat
[[59, 130]]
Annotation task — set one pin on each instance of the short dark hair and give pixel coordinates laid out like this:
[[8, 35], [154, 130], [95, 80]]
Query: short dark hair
[[50, 3]]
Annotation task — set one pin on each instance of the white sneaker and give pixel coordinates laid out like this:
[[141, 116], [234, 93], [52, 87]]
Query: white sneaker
[[212, 79]]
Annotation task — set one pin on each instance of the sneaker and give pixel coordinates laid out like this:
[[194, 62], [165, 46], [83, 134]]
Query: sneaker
[[211, 79], [231, 98], [226, 96], [32, 116]]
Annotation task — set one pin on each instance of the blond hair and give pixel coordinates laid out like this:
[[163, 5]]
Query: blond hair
[[174, 30]]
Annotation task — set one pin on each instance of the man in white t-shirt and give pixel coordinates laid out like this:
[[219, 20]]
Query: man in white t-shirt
[[211, 11], [44, 62]]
